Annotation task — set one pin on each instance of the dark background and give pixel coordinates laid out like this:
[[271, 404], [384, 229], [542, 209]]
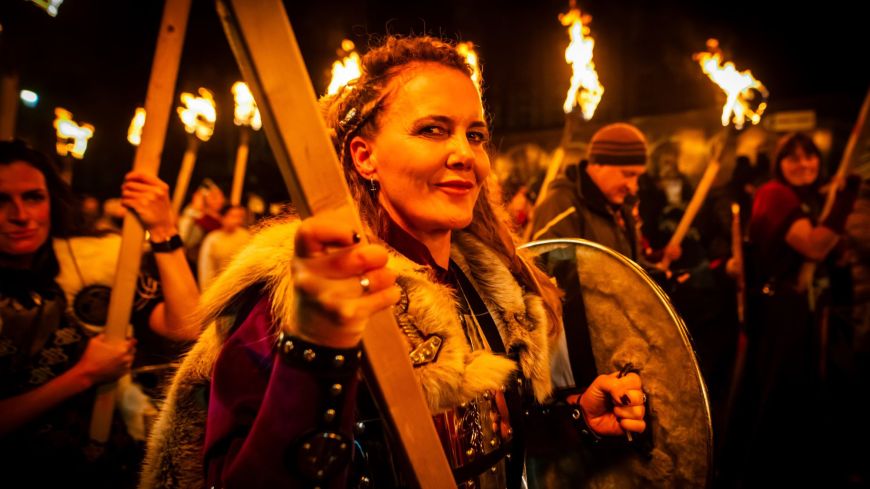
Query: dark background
[[94, 59]]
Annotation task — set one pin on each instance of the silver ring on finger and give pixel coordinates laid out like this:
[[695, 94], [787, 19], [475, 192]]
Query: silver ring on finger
[[366, 284]]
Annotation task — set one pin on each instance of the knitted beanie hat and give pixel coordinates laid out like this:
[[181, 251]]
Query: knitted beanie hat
[[618, 144]]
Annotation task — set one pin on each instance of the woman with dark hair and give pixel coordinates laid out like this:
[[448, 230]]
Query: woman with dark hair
[[279, 362], [782, 386], [54, 285]]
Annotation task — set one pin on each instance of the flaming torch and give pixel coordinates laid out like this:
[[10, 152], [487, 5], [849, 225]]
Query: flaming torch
[[585, 90], [72, 139], [134, 133], [466, 50], [198, 116], [345, 70], [246, 115], [741, 89]]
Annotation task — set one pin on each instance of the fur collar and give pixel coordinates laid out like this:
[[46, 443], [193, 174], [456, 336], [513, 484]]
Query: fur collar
[[427, 308]]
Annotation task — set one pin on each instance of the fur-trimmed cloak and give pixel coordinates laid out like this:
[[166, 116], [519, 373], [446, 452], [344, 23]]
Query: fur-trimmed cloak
[[174, 456]]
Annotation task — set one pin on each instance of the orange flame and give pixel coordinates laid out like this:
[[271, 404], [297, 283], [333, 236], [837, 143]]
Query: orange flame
[[246, 112], [586, 90], [72, 138], [740, 87], [466, 50], [134, 133], [345, 70], [199, 114]]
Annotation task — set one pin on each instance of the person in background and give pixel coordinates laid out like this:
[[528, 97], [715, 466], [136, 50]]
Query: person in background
[[220, 245], [90, 212], [594, 199], [521, 173], [785, 233], [200, 217], [54, 290]]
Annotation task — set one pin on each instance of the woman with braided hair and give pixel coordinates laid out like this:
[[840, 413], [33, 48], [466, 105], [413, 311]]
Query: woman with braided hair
[[279, 361]]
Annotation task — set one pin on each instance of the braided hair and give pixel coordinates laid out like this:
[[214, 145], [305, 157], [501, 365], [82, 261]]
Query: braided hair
[[355, 110]]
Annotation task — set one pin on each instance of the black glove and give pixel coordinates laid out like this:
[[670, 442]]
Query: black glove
[[843, 204]]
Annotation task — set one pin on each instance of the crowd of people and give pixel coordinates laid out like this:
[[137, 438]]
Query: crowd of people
[[259, 376]]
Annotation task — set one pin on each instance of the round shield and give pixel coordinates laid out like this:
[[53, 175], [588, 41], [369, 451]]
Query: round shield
[[629, 320]]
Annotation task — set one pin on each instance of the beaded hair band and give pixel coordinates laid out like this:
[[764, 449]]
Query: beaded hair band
[[350, 124]]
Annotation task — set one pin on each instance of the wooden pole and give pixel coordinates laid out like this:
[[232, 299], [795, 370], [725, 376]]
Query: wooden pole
[[183, 181], [552, 169], [263, 42], [737, 255], [158, 104], [698, 198], [8, 105], [859, 133], [241, 166]]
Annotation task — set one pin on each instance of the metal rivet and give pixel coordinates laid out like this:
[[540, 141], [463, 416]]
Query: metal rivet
[[320, 474], [329, 415], [469, 452], [343, 446], [288, 346], [338, 360], [493, 469], [360, 427], [358, 356], [309, 355], [493, 442], [306, 446], [575, 414], [510, 431], [508, 456], [486, 395], [335, 389]]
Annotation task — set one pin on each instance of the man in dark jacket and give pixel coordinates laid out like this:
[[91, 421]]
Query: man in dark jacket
[[590, 200]]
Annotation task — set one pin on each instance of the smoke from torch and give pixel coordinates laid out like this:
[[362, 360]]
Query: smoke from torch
[[586, 90], [740, 88], [345, 70], [134, 133], [198, 114]]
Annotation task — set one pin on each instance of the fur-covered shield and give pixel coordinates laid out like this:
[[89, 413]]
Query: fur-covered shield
[[631, 321]]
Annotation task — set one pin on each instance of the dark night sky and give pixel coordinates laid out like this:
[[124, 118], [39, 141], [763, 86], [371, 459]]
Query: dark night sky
[[94, 59]]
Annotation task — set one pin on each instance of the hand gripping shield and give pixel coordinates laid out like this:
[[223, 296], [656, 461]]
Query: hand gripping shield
[[629, 320]]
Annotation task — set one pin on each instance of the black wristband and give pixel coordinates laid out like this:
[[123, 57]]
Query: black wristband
[[167, 246], [588, 433], [317, 358]]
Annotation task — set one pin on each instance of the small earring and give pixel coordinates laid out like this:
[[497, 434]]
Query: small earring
[[373, 187]]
